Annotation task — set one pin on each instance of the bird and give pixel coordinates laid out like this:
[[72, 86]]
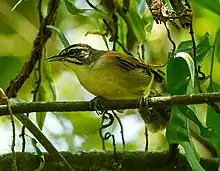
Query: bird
[[114, 75]]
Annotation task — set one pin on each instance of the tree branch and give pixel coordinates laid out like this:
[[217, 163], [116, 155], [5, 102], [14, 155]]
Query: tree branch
[[110, 105], [93, 161], [39, 43]]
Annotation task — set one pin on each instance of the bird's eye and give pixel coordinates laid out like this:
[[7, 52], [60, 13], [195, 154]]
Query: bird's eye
[[71, 52]]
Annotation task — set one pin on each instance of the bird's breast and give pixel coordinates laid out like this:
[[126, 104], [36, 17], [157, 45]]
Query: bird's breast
[[113, 83]]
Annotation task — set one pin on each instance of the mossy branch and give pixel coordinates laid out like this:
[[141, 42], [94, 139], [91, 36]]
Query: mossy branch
[[93, 161]]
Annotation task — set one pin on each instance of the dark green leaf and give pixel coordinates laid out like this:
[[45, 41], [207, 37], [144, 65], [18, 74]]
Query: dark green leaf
[[190, 63], [177, 122], [213, 118], [178, 76], [202, 50], [178, 132], [180, 80], [185, 46], [190, 114]]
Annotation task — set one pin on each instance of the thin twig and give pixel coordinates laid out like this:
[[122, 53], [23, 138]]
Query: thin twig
[[119, 43], [93, 6], [170, 38], [146, 138], [110, 118], [122, 129], [39, 11], [5, 101], [14, 165], [22, 135]]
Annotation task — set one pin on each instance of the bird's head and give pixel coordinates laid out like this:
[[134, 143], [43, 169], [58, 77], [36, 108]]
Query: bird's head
[[77, 54]]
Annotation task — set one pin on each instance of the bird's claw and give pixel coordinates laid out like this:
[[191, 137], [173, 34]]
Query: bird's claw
[[145, 111], [97, 104]]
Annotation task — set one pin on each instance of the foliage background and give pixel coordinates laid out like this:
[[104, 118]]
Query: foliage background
[[79, 131]]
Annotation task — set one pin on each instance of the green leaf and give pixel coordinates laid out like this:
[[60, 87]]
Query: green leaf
[[94, 13], [202, 50], [9, 67], [178, 76], [40, 116], [191, 114], [137, 25], [177, 122], [39, 153], [49, 80], [191, 157], [191, 67], [62, 37], [185, 46], [178, 132], [180, 80], [34, 143], [122, 33], [213, 5], [70, 5], [217, 45], [213, 118]]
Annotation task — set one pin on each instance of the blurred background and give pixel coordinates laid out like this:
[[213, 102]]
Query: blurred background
[[74, 131]]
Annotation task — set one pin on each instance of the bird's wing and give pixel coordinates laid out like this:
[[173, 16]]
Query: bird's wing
[[126, 61], [130, 63]]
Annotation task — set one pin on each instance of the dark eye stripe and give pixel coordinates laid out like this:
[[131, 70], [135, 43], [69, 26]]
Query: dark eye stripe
[[74, 62]]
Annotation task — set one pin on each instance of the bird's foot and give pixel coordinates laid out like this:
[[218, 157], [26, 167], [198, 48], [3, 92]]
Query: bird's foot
[[97, 104], [145, 111]]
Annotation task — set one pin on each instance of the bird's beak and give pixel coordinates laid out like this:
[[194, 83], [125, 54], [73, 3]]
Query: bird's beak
[[55, 58]]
